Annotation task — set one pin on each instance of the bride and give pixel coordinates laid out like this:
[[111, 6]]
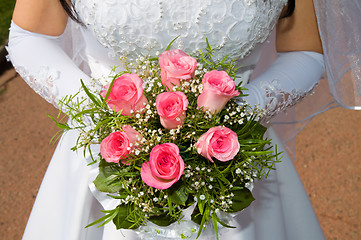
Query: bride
[[54, 43]]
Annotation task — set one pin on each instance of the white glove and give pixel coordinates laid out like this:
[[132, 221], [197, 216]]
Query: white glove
[[286, 82], [43, 64]]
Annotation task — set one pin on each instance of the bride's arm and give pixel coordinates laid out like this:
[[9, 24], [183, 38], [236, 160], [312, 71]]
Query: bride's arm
[[299, 65], [35, 51]]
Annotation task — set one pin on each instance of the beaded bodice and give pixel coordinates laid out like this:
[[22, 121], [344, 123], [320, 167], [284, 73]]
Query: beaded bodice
[[141, 27]]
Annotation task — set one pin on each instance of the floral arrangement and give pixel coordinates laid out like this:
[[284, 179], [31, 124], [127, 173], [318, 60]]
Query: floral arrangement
[[173, 135]]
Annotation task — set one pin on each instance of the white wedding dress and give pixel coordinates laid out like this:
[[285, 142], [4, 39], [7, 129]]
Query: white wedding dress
[[65, 203]]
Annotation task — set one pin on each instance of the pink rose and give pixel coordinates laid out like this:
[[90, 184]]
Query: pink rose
[[218, 89], [171, 107], [117, 145], [126, 94], [219, 142], [176, 65], [133, 135], [164, 168]]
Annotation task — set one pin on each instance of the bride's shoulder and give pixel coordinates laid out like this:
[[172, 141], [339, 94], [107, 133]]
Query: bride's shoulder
[[40, 16]]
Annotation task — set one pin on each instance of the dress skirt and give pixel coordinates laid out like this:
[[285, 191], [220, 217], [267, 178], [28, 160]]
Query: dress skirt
[[65, 204]]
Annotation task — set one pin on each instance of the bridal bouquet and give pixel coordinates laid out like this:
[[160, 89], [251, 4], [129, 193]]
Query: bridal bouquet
[[173, 135]]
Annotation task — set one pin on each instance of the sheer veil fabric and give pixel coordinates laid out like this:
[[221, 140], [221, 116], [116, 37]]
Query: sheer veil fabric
[[339, 25], [282, 209]]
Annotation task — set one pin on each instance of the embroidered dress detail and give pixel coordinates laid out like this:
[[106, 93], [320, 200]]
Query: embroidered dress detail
[[42, 82], [138, 27], [277, 99]]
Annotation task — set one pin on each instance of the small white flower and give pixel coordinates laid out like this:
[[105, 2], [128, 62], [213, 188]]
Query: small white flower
[[141, 193], [238, 171], [196, 183], [202, 197], [211, 179], [149, 112], [155, 199], [210, 186], [137, 115], [137, 152], [211, 201]]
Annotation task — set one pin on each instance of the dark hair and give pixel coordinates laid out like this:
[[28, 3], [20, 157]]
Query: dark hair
[[69, 9], [290, 9]]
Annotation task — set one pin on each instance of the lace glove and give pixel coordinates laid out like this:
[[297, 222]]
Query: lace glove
[[286, 82], [43, 64]]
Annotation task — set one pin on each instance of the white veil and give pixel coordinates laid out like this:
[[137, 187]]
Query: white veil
[[339, 23]]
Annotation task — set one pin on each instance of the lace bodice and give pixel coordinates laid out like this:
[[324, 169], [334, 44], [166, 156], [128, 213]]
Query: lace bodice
[[139, 27]]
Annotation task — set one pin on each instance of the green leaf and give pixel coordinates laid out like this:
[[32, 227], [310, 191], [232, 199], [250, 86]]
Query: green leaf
[[259, 131], [205, 218], [170, 44], [109, 90], [105, 219], [124, 216], [221, 222], [215, 225], [178, 193], [196, 216], [162, 219], [102, 181], [242, 199], [59, 124], [90, 95]]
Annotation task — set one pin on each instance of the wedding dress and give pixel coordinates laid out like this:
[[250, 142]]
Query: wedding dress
[[66, 202]]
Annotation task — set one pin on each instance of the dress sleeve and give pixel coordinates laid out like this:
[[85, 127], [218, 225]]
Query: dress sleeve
[[43, 64], [287, 81]]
